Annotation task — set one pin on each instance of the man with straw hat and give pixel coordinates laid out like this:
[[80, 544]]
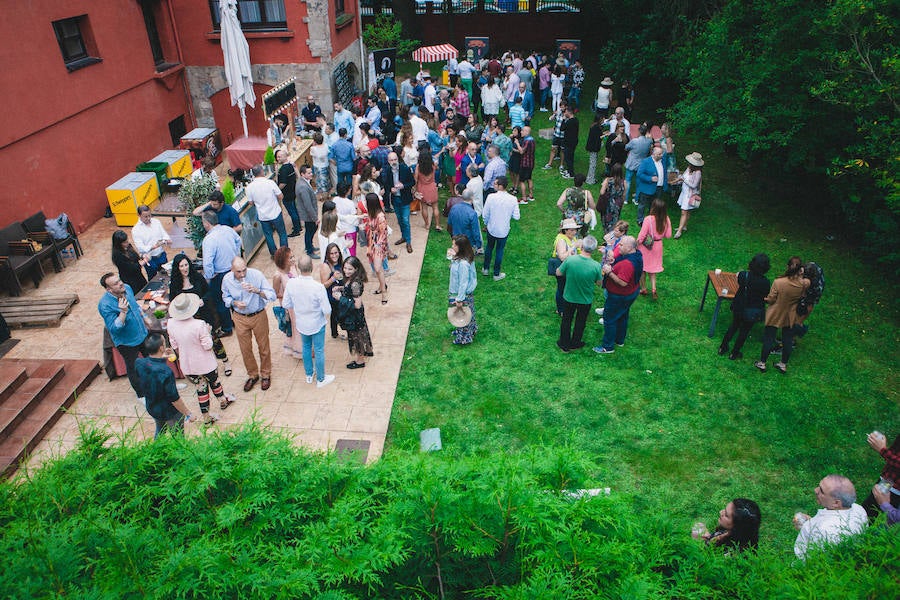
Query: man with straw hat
[[582, 273], [192, 339]]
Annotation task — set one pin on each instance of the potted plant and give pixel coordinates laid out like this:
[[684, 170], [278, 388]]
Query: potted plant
[[269, 159], [160, 313], [228, 191], [194, 193]]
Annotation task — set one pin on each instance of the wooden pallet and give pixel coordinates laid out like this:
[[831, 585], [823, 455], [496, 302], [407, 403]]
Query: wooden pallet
[[39, 311]]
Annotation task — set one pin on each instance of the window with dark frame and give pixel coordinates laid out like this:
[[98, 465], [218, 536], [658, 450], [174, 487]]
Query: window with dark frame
[[338, 7], [254, 14], [70, 36]]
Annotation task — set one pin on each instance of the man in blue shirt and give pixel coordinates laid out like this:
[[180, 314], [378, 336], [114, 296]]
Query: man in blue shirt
[[343, 155], [463, 220], [343, 118], [158, 388], [220, 246], [225, 212], [246, 292], [390, 89], [123, 319]]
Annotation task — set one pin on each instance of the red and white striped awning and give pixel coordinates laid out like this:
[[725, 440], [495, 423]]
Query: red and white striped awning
[[427, 54]]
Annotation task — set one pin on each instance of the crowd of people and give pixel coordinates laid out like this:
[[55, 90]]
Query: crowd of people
[[474, 140]]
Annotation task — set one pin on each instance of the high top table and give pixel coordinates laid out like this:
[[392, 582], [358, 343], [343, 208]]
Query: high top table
[[725, 286]]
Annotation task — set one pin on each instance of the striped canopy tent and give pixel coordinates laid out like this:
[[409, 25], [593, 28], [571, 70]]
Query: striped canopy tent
[[429, 54]]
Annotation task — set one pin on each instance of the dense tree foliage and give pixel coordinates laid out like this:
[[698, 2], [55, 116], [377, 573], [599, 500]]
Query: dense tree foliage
[[807, 90], [245, 514]]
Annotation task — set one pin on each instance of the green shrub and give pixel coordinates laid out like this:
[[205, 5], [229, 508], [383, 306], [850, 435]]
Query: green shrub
[[245, 513]]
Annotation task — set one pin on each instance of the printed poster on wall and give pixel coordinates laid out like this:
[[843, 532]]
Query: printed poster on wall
[[571, 49], [477, 48]]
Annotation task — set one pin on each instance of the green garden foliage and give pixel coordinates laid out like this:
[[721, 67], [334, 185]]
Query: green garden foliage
[[228, 191], [245, 513], [810, 89], [387, 32], [269, 156], [193, 193]]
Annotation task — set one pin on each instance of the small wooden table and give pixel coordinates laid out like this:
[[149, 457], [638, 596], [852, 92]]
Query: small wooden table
[[721, 282]]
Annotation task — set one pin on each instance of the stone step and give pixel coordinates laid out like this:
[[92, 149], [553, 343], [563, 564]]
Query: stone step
[[77, 375], [11, 377], [23, 401]]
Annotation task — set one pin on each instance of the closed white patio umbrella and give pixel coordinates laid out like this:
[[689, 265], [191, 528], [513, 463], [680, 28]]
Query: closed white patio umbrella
[[237, 59]]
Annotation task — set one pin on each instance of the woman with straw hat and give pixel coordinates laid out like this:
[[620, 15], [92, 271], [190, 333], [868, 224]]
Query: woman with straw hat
[[463, 281], [192, 339], [564, 246], [604, 95], [689, 199]]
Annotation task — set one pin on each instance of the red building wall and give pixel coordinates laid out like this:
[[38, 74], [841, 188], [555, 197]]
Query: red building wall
[[65, 136]]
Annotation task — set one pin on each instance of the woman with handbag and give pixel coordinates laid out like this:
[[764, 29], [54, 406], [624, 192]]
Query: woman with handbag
[[689, 199], [575, 201], [749, 305], [285, 269], [564, 246], [353, 313], [612, 190], [655, 227], [187, 279], [331, 274], [463, 281], [783, 298]]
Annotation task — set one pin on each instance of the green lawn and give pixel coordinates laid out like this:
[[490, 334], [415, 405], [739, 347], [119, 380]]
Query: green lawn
[[665, 418]]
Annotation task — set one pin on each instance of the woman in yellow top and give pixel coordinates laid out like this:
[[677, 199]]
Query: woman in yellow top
[[783, 298], [564, 246]]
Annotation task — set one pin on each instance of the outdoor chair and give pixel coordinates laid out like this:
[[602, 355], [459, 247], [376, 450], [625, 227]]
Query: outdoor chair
[[16, 258], [44, 250], [36, 227]]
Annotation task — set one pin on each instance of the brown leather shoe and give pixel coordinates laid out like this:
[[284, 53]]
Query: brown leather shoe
[[409, 248], [251, 381], [266, 383]]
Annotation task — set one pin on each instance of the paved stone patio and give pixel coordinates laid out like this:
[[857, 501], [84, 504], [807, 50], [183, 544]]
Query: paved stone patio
[[356, 406]]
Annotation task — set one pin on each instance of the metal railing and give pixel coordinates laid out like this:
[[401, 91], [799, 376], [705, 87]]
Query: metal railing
[[462, 7]]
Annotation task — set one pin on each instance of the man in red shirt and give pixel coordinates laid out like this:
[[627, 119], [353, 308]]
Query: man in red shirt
[[621, 281]]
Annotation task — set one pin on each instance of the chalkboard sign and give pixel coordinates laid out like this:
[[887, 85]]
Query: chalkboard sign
[[276, 98], [342, 84]]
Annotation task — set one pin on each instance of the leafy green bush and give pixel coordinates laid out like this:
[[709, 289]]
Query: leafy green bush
[[245, 513], [387, 32]]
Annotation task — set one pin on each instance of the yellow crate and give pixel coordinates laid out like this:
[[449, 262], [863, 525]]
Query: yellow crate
[[179, 162], [133, 190]]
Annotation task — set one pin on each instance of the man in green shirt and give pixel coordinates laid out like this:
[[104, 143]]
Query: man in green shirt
[[582, 273]]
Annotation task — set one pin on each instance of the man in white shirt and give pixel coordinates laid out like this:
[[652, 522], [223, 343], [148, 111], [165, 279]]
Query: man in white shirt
[[453, 71], [307, 301], [466, 69], [430, 94], [150, 240], [619, 117], [263, 193], [419, 127], [476, 186], [500, 208], [839, 517]]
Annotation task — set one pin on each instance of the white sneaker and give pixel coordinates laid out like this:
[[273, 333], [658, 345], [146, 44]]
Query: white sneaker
[[328, 379], [599, 311], [500, 276], [485, 272], [543, 109], [180, 386], [600, 320], [309, 379]]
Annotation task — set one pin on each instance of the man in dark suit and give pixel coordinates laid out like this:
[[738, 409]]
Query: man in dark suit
[[652, 180], [308, 209], [398, 182]]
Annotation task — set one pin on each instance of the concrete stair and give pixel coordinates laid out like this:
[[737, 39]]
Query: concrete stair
[[33, 394]]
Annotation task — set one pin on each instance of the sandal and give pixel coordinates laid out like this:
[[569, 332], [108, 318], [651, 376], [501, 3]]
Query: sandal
[[436, 228], [781, 367], [377, 292], [760, 365], [226, 401], [208, 420], [677, 235], [228, 369]]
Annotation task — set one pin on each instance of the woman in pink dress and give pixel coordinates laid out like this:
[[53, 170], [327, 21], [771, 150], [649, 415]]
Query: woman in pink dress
[[427, 192], [658, 226], [461, 143]]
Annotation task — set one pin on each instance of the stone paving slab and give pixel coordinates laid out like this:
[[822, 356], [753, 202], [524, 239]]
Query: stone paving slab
[[356, 406]]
